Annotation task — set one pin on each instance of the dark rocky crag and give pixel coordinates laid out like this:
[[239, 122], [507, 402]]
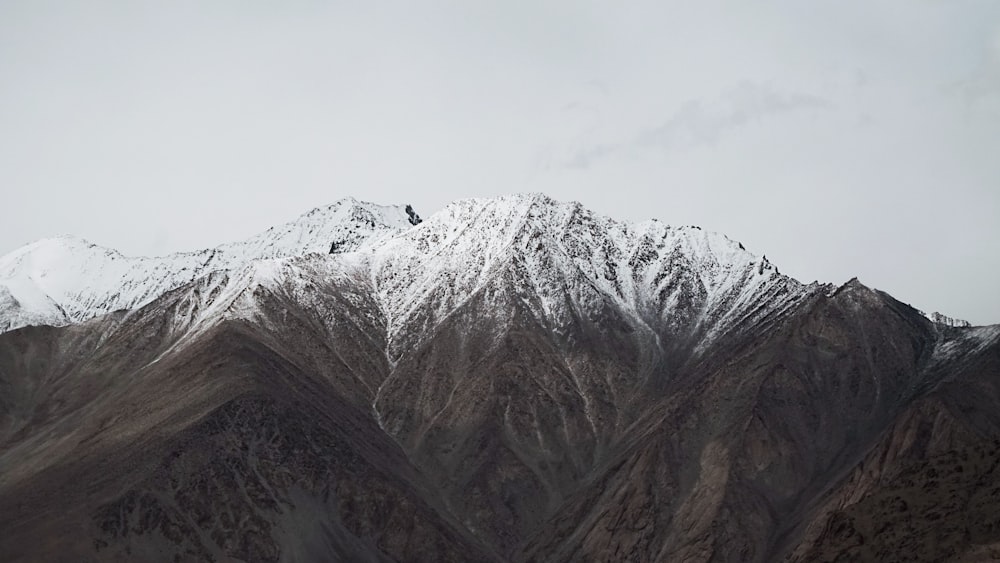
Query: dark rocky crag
[[304, 420]]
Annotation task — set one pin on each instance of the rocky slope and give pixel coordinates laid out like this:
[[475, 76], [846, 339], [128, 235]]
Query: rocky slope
[[513, 379]]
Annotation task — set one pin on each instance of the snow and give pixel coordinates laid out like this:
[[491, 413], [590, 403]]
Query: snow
[[66, 279], [558, 260], [965, 342], [569, 260], [23, 303], [565, 251], [946, 320]]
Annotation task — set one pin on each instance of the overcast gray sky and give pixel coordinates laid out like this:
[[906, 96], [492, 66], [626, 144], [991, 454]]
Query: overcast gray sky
[[840, 138]]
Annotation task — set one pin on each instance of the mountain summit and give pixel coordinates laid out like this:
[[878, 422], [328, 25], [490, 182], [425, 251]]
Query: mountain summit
[[66, 280], [510, 379]]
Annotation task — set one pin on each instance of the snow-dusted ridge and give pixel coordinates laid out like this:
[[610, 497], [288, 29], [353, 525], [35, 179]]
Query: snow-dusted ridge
[[946, 320], [559, 260], [569, 260], [64, 280]]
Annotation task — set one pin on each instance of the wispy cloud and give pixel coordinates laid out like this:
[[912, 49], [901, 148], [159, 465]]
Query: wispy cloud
[[698, 122], [981, 89]]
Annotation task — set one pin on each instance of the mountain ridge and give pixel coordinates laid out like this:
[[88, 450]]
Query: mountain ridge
[[512, 379], [105, 280], [66, 279]]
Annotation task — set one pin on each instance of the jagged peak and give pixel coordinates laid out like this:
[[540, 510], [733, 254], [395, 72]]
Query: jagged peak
[[851, 285], [345, 210], [86, 280], [351, 209], [946, 320], [476, 237], [556, 214]]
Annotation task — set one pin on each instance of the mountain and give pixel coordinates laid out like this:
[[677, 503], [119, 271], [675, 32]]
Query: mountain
[[512, 379], [66, 280]]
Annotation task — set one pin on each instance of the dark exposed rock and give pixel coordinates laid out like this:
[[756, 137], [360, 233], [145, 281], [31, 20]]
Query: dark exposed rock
[[414, 218], [304, 423]]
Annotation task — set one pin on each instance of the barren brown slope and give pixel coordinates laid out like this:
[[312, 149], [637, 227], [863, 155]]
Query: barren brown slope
[[729, 466], [930, 489], [220, 448], [271, 423]]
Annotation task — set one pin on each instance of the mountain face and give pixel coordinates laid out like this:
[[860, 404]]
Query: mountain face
[[513, 379]]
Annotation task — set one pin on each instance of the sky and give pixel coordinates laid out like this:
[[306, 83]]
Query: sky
[[839, 138]]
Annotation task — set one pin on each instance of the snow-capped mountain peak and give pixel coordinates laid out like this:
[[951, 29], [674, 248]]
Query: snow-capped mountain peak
[[563, 260], [66, 279], [559, 259], [344, 226]]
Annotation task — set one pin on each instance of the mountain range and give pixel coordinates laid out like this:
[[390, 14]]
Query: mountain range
[[510, 379]]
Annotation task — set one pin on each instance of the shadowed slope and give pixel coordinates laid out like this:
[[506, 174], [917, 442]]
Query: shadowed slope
[[721, 469], [514, 379], [174, 456]]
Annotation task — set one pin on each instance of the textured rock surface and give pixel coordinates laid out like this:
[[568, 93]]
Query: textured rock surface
[[509, 380]]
